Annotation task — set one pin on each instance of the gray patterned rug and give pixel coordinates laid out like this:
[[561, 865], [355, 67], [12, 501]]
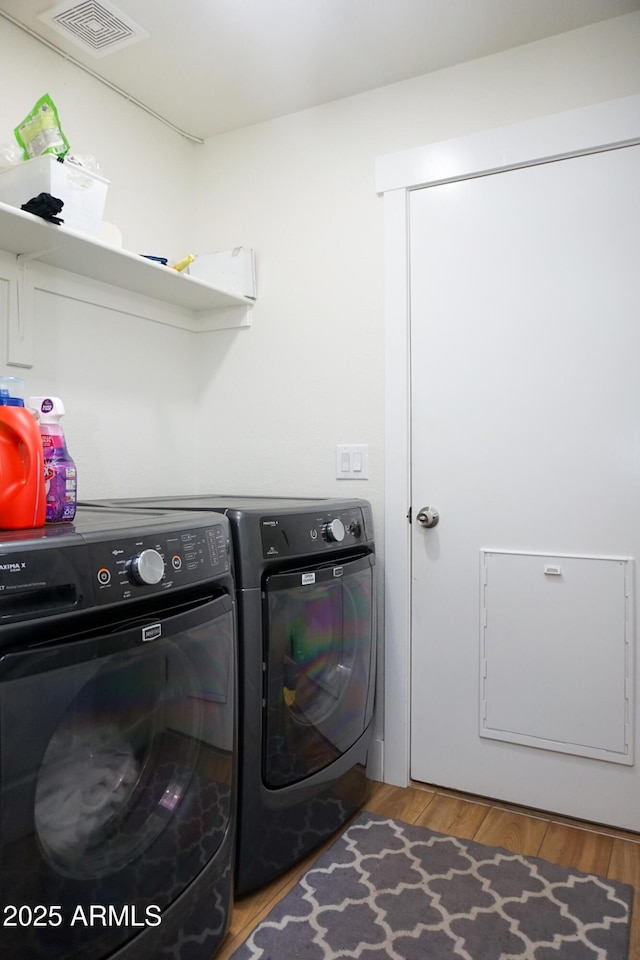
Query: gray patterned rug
[[387, 890]]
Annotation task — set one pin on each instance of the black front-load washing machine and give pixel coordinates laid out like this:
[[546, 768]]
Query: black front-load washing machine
[[305, 585], [117, 737]]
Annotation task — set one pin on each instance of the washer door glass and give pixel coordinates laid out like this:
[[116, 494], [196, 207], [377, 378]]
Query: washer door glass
[[116, 759], [320, 660]]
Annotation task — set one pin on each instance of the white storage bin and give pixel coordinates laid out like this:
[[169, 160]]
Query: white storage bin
[[231, 270], [82, 192]]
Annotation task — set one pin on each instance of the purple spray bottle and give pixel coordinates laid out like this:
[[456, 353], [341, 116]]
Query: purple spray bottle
[[59, 468]]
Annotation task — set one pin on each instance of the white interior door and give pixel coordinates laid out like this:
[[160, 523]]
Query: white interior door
[[525, 347]]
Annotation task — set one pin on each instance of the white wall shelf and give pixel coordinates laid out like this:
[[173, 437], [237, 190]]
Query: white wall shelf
[[22, 233]]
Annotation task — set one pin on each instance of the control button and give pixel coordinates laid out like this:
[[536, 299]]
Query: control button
[[313, 534], [104, 576], [176, 562], [146, 567], [354, 528], [334, 531]]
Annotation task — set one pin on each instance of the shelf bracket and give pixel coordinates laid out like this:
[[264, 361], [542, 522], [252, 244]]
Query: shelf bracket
[[226, 318], [24, 258], [21, 316]]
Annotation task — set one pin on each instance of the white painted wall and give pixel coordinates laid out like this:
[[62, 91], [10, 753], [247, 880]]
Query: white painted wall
[[122, 377], [151, 196], [153, 409], [300, 191]]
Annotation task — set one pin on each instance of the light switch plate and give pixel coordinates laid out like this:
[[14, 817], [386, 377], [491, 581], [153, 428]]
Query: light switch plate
[[352, 461]]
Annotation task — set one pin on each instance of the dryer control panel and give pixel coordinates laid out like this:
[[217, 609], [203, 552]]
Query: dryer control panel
[[301, 534], [152, 562]]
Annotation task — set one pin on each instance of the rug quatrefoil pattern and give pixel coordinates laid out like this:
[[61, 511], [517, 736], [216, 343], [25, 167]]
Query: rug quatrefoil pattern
[[387, 890]]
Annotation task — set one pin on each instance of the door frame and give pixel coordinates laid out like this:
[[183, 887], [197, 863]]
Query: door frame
[[592, 129]]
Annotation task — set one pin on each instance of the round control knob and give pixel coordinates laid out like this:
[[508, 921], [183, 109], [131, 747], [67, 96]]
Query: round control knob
[[354, 528], [334, 531], [146, 567]]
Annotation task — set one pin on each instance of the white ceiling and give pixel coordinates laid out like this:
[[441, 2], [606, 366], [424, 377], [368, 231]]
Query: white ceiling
[[209, 66]]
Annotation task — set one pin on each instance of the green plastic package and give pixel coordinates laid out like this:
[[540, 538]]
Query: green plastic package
[[40, 131]]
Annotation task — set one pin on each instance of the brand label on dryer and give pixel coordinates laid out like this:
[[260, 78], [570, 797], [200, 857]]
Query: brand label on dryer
[[152, 632], [308, 578]]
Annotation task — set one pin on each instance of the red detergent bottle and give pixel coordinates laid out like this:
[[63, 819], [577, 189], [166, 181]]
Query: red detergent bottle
[[22, 499]]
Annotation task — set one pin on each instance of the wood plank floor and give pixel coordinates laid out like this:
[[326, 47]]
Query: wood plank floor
[[593, 849]]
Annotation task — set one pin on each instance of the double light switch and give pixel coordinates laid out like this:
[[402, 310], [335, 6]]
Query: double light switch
[[352, 461]]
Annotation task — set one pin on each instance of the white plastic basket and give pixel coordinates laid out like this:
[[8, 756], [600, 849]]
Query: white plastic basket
[[83, 193]]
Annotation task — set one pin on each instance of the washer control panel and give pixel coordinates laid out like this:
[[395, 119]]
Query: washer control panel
[[294, 535], [152, 562]]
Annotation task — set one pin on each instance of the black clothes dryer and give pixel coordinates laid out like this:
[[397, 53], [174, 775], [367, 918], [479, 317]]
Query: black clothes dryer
[[306, 587], [117, 737]]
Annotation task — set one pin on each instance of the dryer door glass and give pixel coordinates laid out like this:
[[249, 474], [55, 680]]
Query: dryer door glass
[[116, 758], [319, 667]]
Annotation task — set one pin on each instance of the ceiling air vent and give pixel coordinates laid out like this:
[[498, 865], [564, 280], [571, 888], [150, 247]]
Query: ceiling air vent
[[99, 28]]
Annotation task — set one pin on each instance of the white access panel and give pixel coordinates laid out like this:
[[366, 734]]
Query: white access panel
[[556, 663]]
